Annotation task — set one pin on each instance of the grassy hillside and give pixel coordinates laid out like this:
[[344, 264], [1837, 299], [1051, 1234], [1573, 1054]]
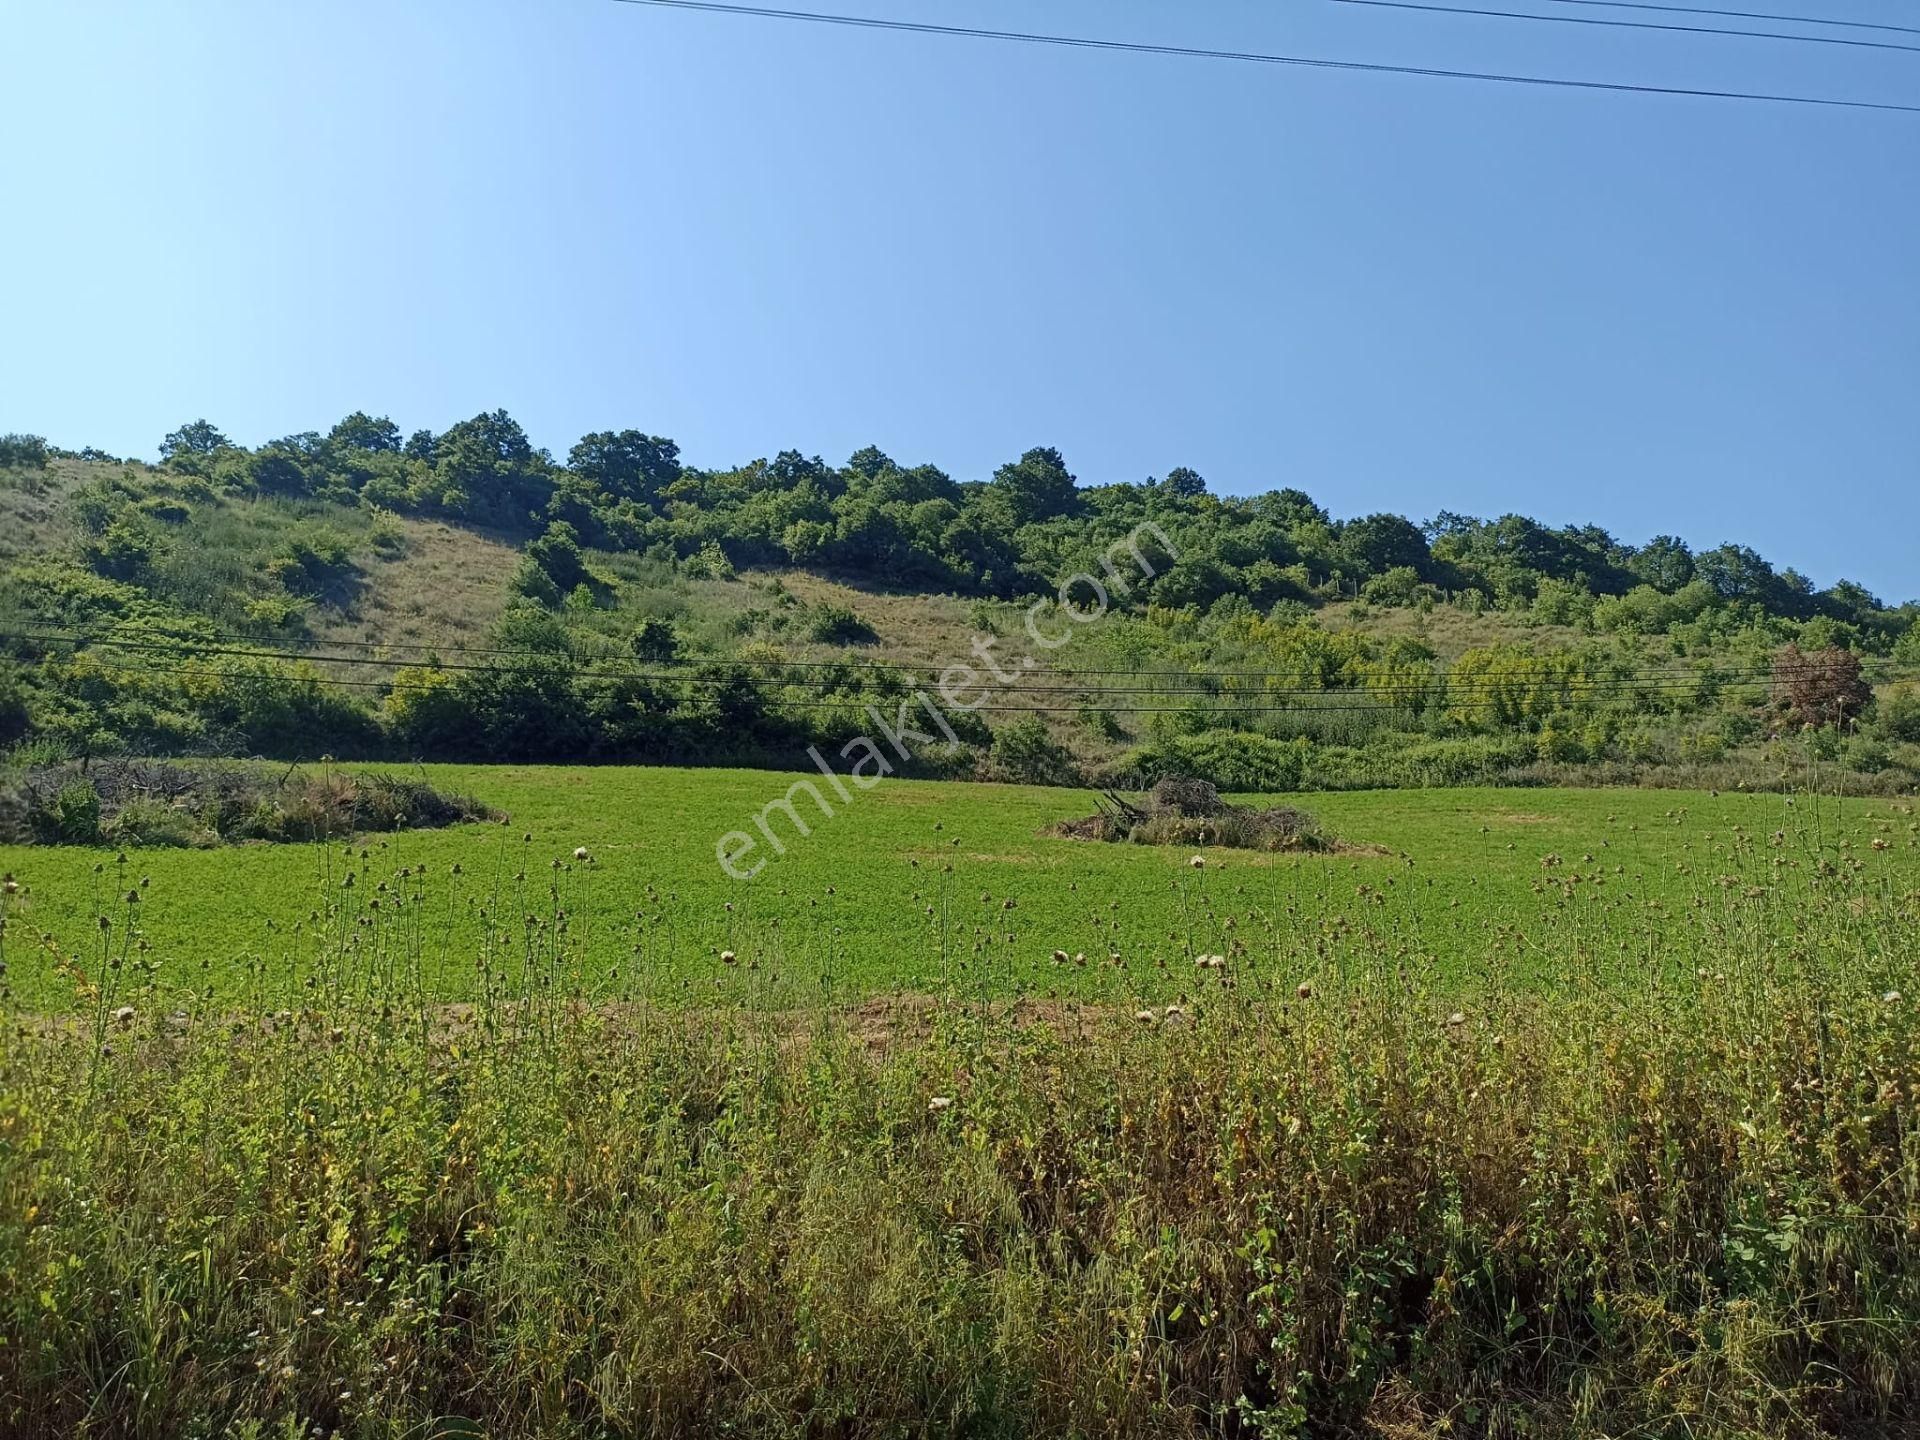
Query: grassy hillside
[[221, 608]]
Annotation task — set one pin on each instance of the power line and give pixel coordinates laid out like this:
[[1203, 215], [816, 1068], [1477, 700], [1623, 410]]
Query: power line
[[246, 647], [327, 682], [1635, 24], [1739, 14], [1394, 693], [1261, 57], [169, 646]]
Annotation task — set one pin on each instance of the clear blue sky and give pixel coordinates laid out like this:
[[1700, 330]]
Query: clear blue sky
[[1396, 293]]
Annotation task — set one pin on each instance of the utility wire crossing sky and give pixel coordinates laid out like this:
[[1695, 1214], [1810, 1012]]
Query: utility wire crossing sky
[[1255, 57], [1651, 309]]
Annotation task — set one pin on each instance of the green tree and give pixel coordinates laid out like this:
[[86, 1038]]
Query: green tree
[[489, 470], [655, 640], [22, 452], [1736, 572], [1380, 543], [1664, 562], [627, 463], [557, 553], [1037, 486], [198, 438], [869, 463], [15, 716], [279, 469], [361, 431]]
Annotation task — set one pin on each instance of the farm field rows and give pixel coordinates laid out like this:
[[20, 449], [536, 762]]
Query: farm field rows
[[929, 886]]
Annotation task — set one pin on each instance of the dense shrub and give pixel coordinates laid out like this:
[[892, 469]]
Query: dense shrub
[[838, 625], [15, 713], [1820, 687], [1026, 752], [22, 452], [654, 640], [1897, 714], [1240, 763], [161, 803]]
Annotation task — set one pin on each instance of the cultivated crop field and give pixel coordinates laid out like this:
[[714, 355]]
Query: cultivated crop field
[[930, 887], [1518, 1112]]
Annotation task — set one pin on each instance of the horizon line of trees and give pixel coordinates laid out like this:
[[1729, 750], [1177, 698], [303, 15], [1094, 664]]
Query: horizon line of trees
[[1011, 535]]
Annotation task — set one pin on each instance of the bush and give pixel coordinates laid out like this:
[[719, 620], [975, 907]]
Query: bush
[[1868, 757], [1820, 687], [710, 563], [161, 803], [311, 561], [1398, 587], [22, 452], [838, 625], [655, 641], [533, 583], [1027, 753], [74, 816], [15, 716], [167, 509], [557, 553], [1897, 716], [155, 824], [1557, 743], [123, 551], [426, 712], [290, 711], [1235, 762], [386, 538]]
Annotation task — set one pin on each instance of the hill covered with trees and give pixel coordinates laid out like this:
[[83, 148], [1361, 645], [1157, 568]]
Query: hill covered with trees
[[464, 594]]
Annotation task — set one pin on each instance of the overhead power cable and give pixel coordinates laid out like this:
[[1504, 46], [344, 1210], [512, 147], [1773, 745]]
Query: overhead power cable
[[859, 702], [1256, 57], [1740, 15], [1372, 692], [247, 647], [1206, 678], [1635, 24]]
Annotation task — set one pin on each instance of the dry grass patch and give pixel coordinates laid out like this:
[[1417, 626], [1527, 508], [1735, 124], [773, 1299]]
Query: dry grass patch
[[445, 587]]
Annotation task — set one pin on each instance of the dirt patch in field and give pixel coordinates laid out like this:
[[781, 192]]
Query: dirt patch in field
[[878, 1022]]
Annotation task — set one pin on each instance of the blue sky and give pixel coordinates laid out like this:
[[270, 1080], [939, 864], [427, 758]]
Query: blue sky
[[1397, 293]]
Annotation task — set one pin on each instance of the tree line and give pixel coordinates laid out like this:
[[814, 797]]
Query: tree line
[[915, 526]]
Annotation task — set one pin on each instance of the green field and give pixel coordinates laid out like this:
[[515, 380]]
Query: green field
[[929, 886], [1525, 1112]]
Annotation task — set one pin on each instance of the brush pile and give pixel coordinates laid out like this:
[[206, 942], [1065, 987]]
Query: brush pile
[[1183, 811]]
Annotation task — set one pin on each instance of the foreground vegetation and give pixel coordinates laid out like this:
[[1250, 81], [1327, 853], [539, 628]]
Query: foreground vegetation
[[1642, 1159]]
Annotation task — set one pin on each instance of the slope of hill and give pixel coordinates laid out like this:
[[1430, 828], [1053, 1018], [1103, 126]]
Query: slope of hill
[[462, 596]]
